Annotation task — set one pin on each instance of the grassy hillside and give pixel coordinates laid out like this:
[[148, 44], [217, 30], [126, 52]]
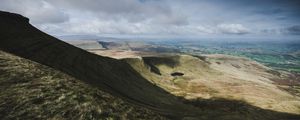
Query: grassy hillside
[[32, 90], [221, 76], [29, 90]]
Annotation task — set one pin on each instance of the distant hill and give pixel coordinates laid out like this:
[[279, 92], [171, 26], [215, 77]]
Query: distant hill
[[69, 80], [86, 44]]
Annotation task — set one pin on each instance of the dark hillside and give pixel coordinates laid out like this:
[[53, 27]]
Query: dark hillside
[[111, 75], [29, 90]]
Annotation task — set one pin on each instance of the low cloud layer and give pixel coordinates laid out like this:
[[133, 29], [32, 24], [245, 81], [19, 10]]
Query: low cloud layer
[[159, 17]]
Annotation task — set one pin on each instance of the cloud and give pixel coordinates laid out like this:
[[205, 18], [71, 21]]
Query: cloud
[[39, 12], [290, 30], [171, 20], [128, 10], [159, 17], [272, 11], [232, 29], [47, 13], [295, 30]]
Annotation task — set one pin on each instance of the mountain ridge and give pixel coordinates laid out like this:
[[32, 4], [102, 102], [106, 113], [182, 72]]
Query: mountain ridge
[[40, 47]]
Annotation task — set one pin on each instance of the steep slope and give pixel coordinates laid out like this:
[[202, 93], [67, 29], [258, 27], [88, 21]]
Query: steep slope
[[116, 77], [110, 75], [29, 90]]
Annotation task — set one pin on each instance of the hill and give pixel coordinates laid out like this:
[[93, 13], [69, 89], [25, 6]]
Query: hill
[[30, 90], [221, 76], [115, 78]]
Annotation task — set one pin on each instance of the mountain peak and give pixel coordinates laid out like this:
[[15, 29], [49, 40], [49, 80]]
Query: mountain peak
[[13, 17]]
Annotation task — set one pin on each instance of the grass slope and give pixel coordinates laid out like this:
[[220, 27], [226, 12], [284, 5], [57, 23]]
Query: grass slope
[[219, 76], [29, 90]]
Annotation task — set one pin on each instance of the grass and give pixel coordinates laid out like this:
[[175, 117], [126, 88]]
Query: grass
[[204, 78], [29, 90]]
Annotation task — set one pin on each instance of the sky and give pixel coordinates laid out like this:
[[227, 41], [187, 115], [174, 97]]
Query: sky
[[161, 18]]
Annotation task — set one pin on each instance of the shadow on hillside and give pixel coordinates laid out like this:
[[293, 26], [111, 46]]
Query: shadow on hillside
[[152, 62], [220, 108], [170, 61]]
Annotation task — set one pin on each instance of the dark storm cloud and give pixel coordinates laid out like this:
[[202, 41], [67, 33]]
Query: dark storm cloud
[[271, 8], [294, 29], [274, 9]]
